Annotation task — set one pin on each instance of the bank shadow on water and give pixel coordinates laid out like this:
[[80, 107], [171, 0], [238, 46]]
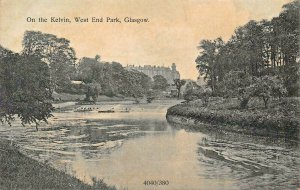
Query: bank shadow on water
[[255, 162], [218, 133]]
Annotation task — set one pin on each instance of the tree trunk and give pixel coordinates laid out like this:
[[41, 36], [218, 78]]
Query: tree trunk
[[266, 100], [178, 93], [36, 127], [244, 103]]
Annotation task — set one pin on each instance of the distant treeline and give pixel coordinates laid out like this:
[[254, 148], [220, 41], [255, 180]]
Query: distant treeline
[[48, 64], [111, 78], [98, 77], [267, 47]]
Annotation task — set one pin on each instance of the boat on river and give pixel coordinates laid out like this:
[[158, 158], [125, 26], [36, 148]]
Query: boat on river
[[106, 111], [87, 109], [125, 110]]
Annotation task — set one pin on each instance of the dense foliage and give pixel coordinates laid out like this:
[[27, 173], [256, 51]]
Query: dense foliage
[[257, 68], [24, 88], [56, 52], [160, 82], [267, 87], [112, 79], [47, 64], [178, 84], [257, 48], [280, 119], [95, 76], [238, 84], [192, 91]]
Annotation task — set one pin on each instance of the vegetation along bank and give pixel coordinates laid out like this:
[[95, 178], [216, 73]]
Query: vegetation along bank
[[18, 171], [252, 80], [280, 120]]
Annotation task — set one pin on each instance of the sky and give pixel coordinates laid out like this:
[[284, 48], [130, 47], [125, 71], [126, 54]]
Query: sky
[[171, 35]]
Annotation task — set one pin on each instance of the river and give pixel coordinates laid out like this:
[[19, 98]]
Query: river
[[138, 150]]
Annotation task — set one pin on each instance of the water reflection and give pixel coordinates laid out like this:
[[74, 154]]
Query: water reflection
[[170, 155], [125, 149]]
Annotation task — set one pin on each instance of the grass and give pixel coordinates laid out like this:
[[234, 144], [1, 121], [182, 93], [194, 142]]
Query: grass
[[63, 97], [68, 97], [282, 116], [20, 172]]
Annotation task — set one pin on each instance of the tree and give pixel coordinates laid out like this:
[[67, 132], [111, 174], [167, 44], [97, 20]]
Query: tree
[[150, 96], [178, 83], [190, 95], [24, 89], [239, 84], [56, 52], [267, 87], [207, 62], [98, 58], [160, 83], [258, 48], [204, 95], [113, 78], [89, 70], [92, 90], [192, 91], [249, 47], [135, 84]]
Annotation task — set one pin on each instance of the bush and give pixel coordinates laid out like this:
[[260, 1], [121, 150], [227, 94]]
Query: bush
[[283, 119], [238, 84], [267, 87]]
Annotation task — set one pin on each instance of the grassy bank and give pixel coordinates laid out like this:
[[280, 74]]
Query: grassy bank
[[63, 97], [280, 119], [20, 172]]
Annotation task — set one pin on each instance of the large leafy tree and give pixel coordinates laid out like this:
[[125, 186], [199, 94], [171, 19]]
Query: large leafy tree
[[178, 84], [192, 91], [160, 82], [135, 84], [89, 70], [258, 48], [92, 90], [56, 52], [248, 47], [24, 88], [267, 87], [208, 63], [112, 78], [238, 84], [108, 75], [286, 29]]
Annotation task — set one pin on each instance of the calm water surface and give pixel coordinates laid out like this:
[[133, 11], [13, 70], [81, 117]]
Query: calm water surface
[[127, 148]]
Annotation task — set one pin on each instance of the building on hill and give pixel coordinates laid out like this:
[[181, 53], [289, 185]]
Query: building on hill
[[169, 73]]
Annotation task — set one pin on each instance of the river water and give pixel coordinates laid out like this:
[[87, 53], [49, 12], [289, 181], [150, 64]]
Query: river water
[[127, 149]]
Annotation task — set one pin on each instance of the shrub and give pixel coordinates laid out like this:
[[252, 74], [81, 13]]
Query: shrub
[[238, 84], [267, 87]]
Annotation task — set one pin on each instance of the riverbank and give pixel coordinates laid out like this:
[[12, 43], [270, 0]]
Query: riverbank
[[18, 171], [280, 120], [65, 97]]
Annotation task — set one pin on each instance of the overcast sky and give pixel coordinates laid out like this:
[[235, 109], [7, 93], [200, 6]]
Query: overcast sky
[[172, 34]]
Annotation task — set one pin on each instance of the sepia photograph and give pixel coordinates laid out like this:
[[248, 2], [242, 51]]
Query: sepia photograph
[[149, 95]]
